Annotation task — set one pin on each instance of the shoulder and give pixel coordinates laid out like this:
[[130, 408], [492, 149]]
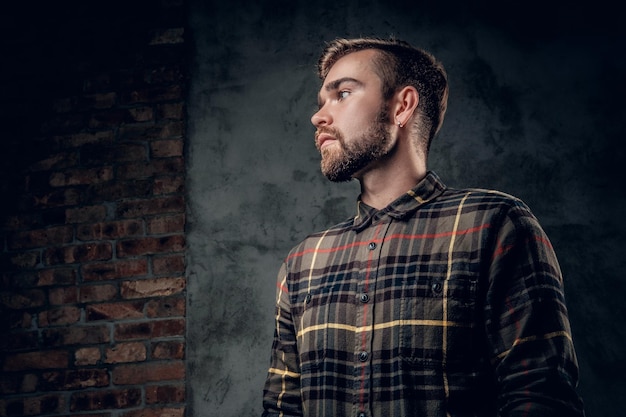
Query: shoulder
[[315, 240], [482, 196], [497, 208]]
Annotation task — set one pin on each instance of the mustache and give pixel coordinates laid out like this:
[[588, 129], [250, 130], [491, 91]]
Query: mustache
[[324, 130], [330, 131]]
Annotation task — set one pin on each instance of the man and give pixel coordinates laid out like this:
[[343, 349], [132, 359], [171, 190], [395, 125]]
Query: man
[[431, 301]]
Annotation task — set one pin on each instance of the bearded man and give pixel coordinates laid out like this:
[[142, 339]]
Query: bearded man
[[430, 301]]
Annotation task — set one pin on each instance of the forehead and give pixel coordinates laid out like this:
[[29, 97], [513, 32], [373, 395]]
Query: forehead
[[356, 65]]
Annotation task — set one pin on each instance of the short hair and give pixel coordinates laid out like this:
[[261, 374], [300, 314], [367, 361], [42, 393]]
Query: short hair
[[398, 64]]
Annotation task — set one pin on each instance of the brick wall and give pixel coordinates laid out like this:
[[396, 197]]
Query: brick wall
[[93, 209]]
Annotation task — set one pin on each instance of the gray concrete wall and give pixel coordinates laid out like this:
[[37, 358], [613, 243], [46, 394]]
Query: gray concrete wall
[[535, 110]]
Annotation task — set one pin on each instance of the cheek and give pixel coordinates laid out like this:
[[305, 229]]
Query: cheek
[[358, 119]]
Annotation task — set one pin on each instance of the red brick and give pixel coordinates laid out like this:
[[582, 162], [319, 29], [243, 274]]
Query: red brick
[[145, 207], [148, 372], [87, 356], [172, 129], [85, 102], [168, 328], [91, 415], [94, 293], [20, 299], [31, 406], [80, 139], [173, 111], [24, 259], [21, 221], [167, 265], [81, 177], [107, 153], [74, 379], [56, 161], [57, 235], [63, 123], [57, 198], [18, 278], [115, 311], [118, 190], [141, 114], [75, 335], [105, 399], [126, 352], [156, 167], [145, 288], [56, 276], [110, 230], [133, 331], [165, 394], [17, 319], [18, 383], [108, 118], [168, 350], [63, 295], [166, 74], [169, 185], [166, 148], [160, 225], [167, 307], [156, 412], [59, 316], [42, 359], [169, 36], [101, 271], [154, 93], [150, 245], [85, 214], [78, 253], [101, 100]]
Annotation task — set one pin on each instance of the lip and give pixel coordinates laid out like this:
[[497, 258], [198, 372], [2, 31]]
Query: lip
[[324, 139]]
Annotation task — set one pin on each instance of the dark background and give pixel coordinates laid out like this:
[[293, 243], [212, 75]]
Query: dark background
[[535, 110]]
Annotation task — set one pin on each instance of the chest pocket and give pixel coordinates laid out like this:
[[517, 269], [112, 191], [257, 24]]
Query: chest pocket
[[313, 314], [438, 321]]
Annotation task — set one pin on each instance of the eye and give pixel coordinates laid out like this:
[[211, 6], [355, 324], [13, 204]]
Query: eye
[[343, 94]]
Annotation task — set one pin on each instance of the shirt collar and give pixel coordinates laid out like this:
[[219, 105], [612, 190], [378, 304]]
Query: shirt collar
[[429, 188]]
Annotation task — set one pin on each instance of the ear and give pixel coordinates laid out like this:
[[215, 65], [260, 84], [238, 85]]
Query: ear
[[405, 103]]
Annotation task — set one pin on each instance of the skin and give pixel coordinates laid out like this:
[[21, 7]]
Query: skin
[[350, 104]]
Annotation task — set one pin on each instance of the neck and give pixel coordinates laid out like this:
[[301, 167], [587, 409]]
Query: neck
[[391, 178]]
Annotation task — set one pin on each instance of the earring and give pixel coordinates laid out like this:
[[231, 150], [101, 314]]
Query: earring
[[399, 124]]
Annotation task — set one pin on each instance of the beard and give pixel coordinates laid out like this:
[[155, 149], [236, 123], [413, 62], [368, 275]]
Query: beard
[[341, 162]]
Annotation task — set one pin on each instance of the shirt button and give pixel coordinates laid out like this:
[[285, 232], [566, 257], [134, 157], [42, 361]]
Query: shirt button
[[364, 298], [372, 245], [361, 415], [363, 356], [307, 299], [437, 287]]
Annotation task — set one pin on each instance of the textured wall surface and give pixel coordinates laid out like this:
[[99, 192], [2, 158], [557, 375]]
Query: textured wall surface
[[92, 208], [534, 111]]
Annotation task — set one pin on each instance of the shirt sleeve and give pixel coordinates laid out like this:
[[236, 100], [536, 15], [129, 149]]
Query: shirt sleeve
[[281, 395], [527, 323]]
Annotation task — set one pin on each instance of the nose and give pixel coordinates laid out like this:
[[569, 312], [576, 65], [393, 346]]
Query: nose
[[321, 118]]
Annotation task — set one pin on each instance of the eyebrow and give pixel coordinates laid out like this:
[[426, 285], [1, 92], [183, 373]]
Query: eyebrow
[[333, 85]]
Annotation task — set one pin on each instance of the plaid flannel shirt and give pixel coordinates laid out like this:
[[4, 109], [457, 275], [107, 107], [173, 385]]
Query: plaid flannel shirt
[[445, 303]]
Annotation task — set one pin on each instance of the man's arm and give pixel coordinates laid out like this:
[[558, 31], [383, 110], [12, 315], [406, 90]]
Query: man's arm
[[527, 324], [281, 395]]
